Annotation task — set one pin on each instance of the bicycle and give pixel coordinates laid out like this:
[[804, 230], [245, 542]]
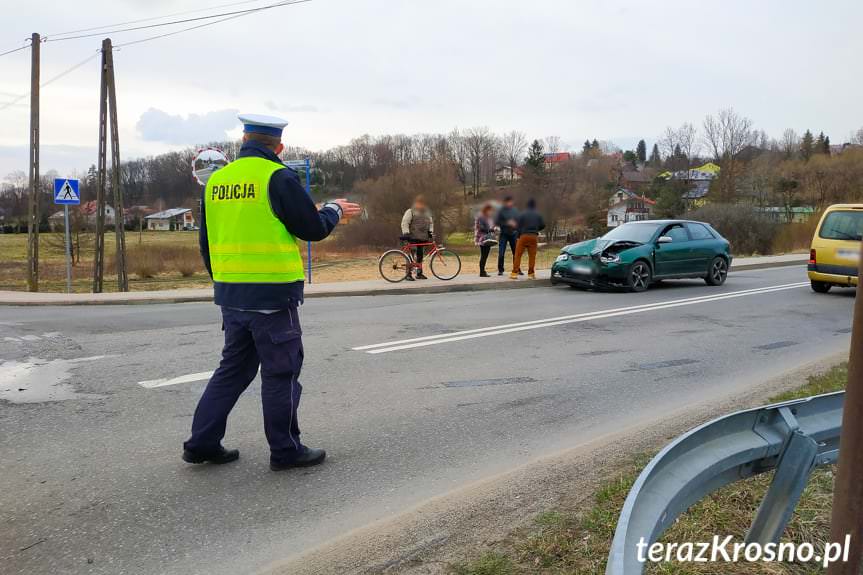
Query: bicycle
[[395, 265]]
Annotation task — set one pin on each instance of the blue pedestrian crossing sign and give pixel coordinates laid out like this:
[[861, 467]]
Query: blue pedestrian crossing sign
[[66, 192]]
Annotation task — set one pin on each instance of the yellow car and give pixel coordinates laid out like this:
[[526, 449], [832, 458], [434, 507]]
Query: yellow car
[[835, 254]]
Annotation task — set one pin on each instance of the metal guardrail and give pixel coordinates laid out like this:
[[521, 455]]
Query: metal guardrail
[[792, 437]]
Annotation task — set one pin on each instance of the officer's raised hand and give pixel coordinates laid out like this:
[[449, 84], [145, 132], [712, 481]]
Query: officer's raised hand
[[348, 209]]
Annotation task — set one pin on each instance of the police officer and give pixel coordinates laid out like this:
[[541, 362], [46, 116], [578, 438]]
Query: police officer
[[253, 213]]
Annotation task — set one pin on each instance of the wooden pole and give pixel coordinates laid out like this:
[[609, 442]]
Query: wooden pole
[[119, 215], [33, 204], [102, 176], [847, 517]]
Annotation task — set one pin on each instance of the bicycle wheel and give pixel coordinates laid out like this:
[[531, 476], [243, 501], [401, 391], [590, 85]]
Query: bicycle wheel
[[394, 266], [445, 265]]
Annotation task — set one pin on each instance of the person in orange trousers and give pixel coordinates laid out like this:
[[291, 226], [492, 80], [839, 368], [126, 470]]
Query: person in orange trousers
[[530, 223]]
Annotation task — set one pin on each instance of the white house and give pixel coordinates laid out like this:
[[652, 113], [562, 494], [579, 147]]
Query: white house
[[173, 219], [626, 206]]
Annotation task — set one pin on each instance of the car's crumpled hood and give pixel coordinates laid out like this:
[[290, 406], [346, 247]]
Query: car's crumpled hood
[[586, 248], [596, 246]]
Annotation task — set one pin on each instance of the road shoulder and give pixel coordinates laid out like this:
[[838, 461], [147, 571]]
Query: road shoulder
[[341, 289], [429, 537]]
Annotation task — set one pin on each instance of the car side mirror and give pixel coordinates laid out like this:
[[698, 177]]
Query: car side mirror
[[664, 240]]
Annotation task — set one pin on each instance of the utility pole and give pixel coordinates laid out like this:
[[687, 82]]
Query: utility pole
[[99, 240], [33, 204], [119, 212], [848, 488], [108, 114]]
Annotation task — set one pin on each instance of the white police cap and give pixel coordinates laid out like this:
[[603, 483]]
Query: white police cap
[[261, 124]]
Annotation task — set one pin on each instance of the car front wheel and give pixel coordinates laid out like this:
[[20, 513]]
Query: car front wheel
[[638, 279], [718, 272], [820, 287]]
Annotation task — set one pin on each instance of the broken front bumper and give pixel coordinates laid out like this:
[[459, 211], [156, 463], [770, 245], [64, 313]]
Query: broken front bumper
[[587, 272]]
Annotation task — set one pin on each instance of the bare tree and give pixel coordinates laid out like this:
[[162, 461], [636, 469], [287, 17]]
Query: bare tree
[[479, 144], [457, 145], [727, 134], [790, 143], [513, 147], [857, 137], [668, 142], [687, 137], [553, 144]]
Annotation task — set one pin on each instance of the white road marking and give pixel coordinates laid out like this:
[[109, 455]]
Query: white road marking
[[190, 378], [391, 346]]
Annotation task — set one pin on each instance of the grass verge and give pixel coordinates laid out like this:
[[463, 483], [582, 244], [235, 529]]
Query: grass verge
[[576, 542]]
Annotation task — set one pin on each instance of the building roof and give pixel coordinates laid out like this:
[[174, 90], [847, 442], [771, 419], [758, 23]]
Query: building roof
[[630, 195], [167, 214], [558, 157]]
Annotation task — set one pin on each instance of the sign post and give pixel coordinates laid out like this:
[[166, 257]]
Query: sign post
[[306, 165], [66, 193]]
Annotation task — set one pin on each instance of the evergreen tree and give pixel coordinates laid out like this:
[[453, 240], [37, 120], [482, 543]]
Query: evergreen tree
[[585, 148], [630, 156], [655, 158], [535, 155], [819, 144], [594, 145], [826, 146], [641, 151], [807, 145]]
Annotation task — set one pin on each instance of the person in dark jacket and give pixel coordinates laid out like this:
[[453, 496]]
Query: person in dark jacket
[[254, 212], [530, 223], [507, 222], [483, 236]]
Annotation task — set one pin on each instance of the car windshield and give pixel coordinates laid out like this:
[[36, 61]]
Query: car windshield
[[641, 233], [843, 225]]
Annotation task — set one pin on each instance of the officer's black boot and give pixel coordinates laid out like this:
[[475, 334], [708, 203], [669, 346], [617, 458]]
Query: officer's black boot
[[421, 275], [409, 277], [308, 458], [219, 457]]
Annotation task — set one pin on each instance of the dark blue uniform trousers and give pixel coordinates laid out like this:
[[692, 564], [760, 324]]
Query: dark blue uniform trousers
[[273, 342]]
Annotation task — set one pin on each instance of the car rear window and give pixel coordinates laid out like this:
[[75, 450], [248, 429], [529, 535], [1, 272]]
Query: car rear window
[[843, 225], [699, 232]]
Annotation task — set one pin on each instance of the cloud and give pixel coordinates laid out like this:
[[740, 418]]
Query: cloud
[[397, 103], [291, 109], [158, 126]]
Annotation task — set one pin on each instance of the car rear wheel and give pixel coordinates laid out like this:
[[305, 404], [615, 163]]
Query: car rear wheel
[[718, 272], [638, 279], [820, 287]]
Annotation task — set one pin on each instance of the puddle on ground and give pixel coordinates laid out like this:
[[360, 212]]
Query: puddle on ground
[[38, 380]]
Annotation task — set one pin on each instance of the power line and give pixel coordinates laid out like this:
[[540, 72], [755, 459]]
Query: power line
[[150, 19], [62, 74], [183, 21], [18, 49], [175, 32]]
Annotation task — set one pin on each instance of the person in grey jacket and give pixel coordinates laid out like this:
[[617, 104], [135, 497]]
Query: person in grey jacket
[[417, 228]]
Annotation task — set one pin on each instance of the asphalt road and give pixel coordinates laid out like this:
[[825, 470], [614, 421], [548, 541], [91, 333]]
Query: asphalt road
[[454, 388]]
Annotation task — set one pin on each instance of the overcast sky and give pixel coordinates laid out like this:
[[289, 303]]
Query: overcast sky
[[612, 70]]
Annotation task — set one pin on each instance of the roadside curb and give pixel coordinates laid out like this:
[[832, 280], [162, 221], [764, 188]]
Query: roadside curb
[[24, 299]]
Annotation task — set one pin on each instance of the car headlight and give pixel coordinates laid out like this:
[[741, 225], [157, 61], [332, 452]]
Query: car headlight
[[562, 258], [610, 259]]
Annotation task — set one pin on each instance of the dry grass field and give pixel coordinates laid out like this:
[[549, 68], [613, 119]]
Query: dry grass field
[[170, 260]]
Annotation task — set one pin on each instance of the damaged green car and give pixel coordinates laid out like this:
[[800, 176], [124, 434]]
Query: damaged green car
[[636, 254]]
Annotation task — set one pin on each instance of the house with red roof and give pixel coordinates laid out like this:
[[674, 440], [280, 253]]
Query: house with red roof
[[626, 206]]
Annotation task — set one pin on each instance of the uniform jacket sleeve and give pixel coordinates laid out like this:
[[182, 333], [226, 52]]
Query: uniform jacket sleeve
[[296, 209], [203, 243]]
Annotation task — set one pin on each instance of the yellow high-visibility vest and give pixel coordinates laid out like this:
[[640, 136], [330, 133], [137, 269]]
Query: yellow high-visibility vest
[[248, 243]]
